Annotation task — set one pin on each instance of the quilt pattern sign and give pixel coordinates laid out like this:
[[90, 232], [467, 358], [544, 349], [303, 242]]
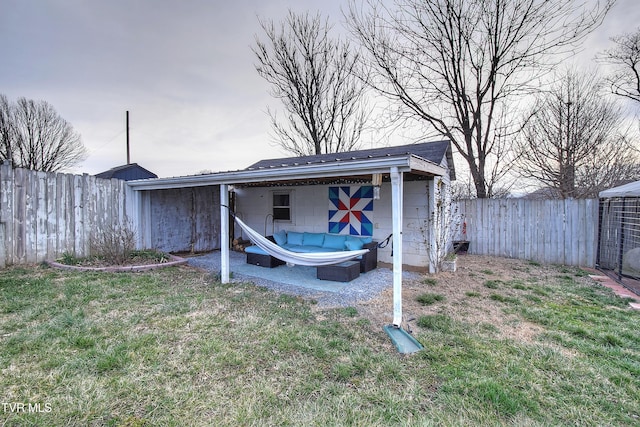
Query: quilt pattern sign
[[351, 210]]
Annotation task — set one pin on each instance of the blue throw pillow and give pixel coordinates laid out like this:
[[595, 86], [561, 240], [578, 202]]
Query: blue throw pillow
[[280, 237], [313, 239], [294, 238], [334, 241], [364, 239], [354, 244]]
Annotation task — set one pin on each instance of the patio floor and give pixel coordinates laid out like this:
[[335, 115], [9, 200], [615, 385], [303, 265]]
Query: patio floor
[[302, 280]]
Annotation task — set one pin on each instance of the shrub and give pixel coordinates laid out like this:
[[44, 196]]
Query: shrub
[[114, 243], [68, 259]]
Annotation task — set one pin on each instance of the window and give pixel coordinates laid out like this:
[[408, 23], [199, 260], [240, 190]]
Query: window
[[282, 206]]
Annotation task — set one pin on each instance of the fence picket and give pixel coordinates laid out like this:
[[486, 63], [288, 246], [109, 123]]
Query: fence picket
[[43, 215], [550, 231]]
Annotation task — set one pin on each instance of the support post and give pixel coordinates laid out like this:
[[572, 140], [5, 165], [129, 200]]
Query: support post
[[224, 233], [396, 206], [434, 226]]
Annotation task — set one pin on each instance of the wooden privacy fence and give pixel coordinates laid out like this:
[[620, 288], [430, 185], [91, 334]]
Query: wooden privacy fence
[[43, 215], [548, 231]]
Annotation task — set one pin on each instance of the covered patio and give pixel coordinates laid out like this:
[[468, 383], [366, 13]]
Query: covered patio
[[390, 168]]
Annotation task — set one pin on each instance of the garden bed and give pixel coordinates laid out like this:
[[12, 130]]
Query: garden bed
[[138, 261]]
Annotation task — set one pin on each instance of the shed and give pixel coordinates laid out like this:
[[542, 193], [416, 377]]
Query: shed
[[319, 193], [391, 191], [619, 231]]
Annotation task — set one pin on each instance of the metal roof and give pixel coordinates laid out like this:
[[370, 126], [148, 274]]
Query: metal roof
[[351, 165], [631, 189], [430, 151]]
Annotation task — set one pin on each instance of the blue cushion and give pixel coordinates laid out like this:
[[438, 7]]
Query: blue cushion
[[354, 244], [280, 237], [334, 241], [255, 250], [313, 239], [304, 249], [364, 240], [294, 238], [310, 249]]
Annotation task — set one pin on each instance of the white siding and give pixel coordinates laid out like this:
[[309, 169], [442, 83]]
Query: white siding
[[310, 207]]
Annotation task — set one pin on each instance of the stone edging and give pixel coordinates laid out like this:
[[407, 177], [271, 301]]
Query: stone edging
[[175, 260]]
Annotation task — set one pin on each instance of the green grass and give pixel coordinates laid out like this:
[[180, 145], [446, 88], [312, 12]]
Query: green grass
[[504, 299], [492, 284], [430, 281], [175, 347], [428, 298]]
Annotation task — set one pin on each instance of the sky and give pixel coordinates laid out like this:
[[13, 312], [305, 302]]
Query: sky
[[183, 69]]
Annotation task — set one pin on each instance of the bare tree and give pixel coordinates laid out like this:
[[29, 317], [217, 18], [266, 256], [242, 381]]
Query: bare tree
[[6, 129], [572, 141], [625, 57], [312, 75], [34, 136], [462, 66]]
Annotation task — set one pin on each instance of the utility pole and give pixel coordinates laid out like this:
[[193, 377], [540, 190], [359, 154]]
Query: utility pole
[[128, 155]]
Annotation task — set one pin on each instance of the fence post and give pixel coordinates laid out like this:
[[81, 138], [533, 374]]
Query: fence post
[[7, 186], [3, 252]]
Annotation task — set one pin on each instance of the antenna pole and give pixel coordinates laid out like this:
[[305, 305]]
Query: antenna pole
[[128, 155]]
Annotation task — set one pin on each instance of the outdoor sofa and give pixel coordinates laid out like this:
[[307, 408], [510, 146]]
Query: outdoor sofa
[[304, 242]]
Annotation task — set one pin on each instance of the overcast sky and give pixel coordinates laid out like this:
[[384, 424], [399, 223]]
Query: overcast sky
[[183, 69]]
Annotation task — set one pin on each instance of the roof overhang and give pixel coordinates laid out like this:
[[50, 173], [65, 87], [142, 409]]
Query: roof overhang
[[304, 172], [631, 189]]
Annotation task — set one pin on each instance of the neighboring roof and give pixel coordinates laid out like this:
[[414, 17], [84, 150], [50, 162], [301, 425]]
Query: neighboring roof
[[628, 190], [352, 165], [128, 172], [433, 152]]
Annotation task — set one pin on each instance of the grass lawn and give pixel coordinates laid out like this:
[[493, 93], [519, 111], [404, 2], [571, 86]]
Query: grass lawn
[[176, 347]]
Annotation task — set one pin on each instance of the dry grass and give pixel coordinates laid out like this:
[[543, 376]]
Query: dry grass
[[467, 298]]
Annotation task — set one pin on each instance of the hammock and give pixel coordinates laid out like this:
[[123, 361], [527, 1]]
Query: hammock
[[311, 259]]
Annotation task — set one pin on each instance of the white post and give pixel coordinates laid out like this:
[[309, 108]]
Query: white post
[[145, 218], [224, 233], [434, 226], [396, 206]]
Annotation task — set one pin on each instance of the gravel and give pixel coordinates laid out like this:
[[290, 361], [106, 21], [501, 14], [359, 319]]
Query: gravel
[[363, 288]]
